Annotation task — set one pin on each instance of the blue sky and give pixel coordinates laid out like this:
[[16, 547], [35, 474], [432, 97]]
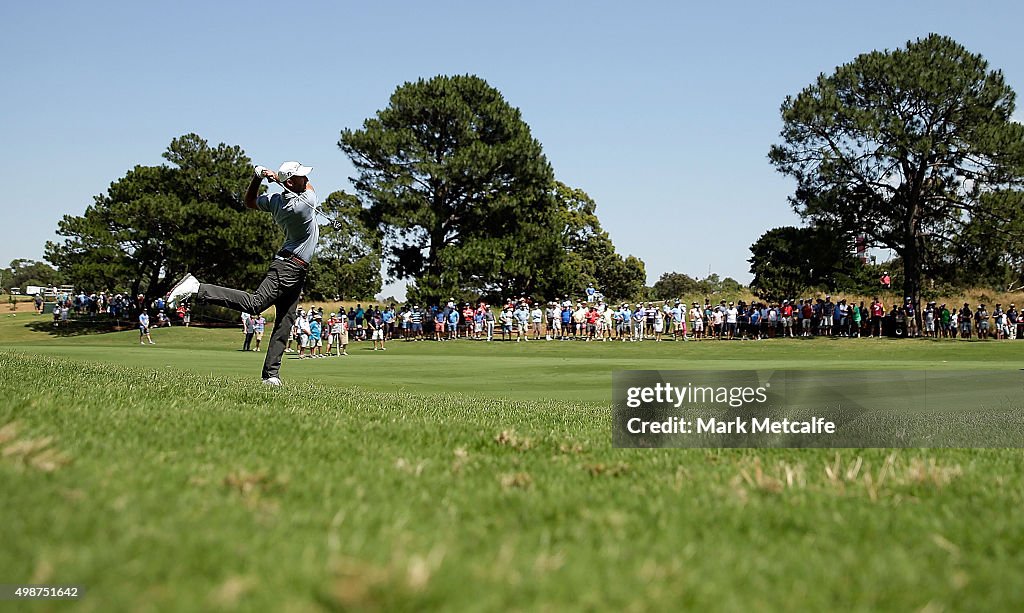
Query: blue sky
[[662, 111]]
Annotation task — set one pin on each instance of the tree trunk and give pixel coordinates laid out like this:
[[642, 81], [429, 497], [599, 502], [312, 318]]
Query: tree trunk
[[915, 248], [154, 283], [912, 277], [431, 281]]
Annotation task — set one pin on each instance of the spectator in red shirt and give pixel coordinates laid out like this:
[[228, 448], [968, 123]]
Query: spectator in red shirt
[[877, 313], [787, 319], [807, 311], [591, 317]]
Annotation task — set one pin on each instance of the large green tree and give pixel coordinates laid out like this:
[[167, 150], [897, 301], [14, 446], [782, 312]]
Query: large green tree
[[901, 146], [713, 285], [988, 254], [787, 261], [674, 285], [347, 262], [458, 187], [587, 254], [22, 273], [157, 222]]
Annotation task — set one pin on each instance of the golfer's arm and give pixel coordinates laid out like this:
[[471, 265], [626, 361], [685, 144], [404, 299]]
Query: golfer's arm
[[252, 192]]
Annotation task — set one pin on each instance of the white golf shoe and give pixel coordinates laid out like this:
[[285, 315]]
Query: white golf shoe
[[182, 289], [272, 381]]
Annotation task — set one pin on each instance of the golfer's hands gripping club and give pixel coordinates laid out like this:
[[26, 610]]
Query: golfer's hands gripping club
[[265, 173]]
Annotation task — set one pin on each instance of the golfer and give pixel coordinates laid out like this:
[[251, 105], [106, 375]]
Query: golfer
[[294, 212]]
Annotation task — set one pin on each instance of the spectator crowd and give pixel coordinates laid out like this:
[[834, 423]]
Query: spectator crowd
[[117, 306], [594, 320], [316, 334]]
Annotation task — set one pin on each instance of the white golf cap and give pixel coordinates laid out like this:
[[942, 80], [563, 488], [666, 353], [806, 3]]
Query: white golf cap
[[292, 169]]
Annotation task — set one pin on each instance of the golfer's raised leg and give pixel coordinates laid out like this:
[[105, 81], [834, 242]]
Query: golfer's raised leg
[[273, 285]]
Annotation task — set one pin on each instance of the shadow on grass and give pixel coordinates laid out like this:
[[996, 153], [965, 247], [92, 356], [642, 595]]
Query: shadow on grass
[[79, 327]]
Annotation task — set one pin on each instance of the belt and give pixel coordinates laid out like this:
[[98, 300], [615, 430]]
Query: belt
[[288, 256]]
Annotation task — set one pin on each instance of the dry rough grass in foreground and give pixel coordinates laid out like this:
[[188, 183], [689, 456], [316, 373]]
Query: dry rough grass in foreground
[[26, 452], [846, 476]]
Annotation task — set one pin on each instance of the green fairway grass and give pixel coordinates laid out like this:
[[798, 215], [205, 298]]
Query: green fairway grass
[[470, 476], [571, 370]]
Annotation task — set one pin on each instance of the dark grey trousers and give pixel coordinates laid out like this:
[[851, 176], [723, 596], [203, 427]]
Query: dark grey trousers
[[281, 288]]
